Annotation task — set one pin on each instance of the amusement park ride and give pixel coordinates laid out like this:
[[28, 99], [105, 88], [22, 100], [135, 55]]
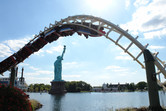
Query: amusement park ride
[[90, 26]]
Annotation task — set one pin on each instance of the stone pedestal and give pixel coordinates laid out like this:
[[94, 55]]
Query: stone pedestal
[[57, 87]]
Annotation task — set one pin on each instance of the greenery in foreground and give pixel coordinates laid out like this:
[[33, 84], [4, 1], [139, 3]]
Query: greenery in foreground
[[81, 86], [13, 99]]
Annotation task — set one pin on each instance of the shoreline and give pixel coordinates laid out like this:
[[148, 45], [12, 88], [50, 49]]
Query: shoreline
[[144, 108], [35, 104]]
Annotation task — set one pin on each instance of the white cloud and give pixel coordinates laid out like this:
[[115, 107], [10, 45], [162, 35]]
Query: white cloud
[[17, 43], [70, 65], [123, 58], [29, 66], [156, 47], [139, 3], [104, 77], [123, 53], [153, 34], [34, 71], [113, 67], [40, 52], [148, 18], [59, 48], [75, 65], [32, 80], [116, 68], [74, 43], [7, 47], [34, 68], [49, 51], [45, 72], [32, 74], [127, 3], [39, 72], [4, 50], [71, 76], [23, 64]]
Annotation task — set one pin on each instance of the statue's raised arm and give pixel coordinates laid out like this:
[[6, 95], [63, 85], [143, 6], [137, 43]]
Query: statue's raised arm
[[63, 51]]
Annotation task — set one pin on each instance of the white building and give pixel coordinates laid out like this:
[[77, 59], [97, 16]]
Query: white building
[[97, 89], [18, 83], [111, 88], [105, 88]]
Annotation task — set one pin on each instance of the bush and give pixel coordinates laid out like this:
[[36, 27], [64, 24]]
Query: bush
[[35, 104], [13, 99], [77, 86]]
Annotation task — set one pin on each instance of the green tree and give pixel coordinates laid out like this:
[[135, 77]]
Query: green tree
[[77, 86], [127, 86], [72, 86], [41, 89], [30, 88], [141, 85], [47, 87], [36, 89], [132, 87]]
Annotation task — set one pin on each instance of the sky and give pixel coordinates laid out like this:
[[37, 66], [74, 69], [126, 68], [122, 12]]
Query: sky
[[93, 60]]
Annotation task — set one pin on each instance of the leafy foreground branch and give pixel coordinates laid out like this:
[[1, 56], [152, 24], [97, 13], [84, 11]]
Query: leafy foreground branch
[[13, 99]]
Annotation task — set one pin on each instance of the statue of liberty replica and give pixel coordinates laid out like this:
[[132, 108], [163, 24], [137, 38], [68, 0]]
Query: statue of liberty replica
[[58, 67], [58, 85]]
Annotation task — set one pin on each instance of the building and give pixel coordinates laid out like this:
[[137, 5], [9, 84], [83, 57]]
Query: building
[[110, 88], [105, 88], [97, 89]]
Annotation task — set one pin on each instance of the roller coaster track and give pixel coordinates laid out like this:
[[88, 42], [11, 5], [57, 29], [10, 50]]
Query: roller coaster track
[[88, 26]]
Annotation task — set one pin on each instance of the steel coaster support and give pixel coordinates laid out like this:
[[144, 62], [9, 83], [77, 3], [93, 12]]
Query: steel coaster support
[[12, 76], [154, 100]]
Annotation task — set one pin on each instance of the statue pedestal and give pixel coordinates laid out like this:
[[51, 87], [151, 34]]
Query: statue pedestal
[[57, 87]]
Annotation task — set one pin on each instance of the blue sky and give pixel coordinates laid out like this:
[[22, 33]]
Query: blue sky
[[94, 60]]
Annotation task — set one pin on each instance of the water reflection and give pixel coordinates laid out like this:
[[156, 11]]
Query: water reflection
[[57, 102]]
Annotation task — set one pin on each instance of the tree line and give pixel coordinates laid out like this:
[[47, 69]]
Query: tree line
[[78, 86], [73, 86], [133, 87], [39, 88], [140, 86]]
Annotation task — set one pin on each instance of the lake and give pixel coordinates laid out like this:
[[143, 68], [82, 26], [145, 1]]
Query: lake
[[93, 101]]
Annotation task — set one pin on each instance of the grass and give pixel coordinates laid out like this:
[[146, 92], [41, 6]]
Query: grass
[[135, 109], [35, 104], [132, 109]]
